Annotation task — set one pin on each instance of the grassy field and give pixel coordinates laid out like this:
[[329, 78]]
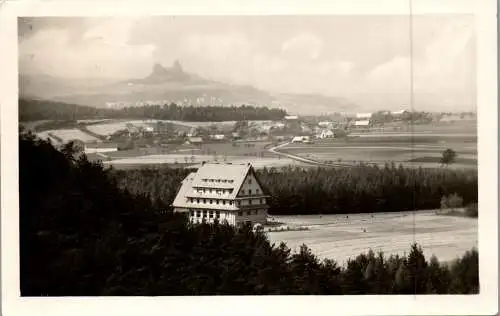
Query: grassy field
[[107, 128], [340, 238], [190, 160], [67, 135], [417, 149]]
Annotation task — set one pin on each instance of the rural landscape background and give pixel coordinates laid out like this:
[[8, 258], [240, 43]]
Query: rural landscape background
[[370, 156]]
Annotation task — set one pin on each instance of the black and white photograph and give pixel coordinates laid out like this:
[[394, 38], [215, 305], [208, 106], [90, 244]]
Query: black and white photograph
[[176, 155]]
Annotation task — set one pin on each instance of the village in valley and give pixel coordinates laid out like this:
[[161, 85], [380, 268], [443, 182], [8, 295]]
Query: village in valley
[[291, 140]]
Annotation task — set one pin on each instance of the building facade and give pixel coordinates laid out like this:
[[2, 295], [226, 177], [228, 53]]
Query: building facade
[[224, 192]]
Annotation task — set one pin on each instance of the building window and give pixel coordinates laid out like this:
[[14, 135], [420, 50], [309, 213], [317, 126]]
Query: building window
[[230, 202], [242, 192], [211, 214], [217, 214], [250, 202], [250, 181], [249, 212], [256, 212], [256, 191], [224, 202], [210, 201], [197, 200], [217, 201], [204, 201], [240, 213], [198, 214]]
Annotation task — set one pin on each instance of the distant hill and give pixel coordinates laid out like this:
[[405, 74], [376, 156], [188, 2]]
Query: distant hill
[[170, 83]]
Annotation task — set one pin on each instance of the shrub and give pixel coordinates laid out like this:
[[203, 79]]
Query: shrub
[[455, 201], [472, 210]]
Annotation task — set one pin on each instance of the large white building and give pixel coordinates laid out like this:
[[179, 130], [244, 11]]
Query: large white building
[[227, 192]]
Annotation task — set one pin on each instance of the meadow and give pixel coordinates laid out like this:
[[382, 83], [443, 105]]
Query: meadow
[[411, 149], [339, 237], [190, 160], [67, 135]]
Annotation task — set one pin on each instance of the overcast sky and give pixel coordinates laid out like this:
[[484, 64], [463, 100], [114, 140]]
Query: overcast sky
[[363, 58]]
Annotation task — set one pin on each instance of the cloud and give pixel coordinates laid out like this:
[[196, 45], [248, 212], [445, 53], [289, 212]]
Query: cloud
[[303, 46], [103, 50], [445, 68], [369, 64]]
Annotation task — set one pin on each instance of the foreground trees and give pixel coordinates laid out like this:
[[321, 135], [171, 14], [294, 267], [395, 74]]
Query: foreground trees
[[361, 189], [80, 234]]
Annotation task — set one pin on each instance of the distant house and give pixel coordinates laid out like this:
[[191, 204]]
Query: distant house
[[218, 137], [193, 132], [228, 193], [324, 123], [362, 123], [327, 134], [363, 115], [194, 140], [300, 139], [291, 117], [95, 148], [399, 113]]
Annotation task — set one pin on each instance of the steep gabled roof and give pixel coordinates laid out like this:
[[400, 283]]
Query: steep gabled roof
[[184, 189], [234, 174]]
